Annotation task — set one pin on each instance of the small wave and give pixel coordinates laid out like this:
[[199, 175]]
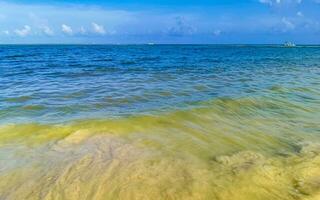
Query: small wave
[[18, 56], [127, 62], [33, 107], [103, 60], [150, 58], [19, 99]]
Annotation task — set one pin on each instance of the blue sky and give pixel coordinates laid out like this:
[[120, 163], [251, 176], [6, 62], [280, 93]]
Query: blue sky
[[160, 21]]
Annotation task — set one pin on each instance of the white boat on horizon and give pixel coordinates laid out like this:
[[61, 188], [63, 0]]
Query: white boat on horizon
[[289, 44]]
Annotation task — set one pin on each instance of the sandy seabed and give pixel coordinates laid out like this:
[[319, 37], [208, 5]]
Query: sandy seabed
[[246, 150]]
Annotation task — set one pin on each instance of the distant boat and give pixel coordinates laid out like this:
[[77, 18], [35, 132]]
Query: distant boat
[[289, 44]]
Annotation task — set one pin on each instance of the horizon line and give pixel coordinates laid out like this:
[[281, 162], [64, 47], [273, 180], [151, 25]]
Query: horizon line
[[151, 44]]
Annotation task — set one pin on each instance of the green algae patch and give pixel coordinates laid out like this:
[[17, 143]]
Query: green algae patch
[[244, 149]]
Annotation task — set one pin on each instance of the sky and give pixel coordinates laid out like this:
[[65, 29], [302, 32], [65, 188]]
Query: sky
[[159, 21]]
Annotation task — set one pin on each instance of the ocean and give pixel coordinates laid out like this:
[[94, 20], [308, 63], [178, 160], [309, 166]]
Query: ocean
[[159, 122]]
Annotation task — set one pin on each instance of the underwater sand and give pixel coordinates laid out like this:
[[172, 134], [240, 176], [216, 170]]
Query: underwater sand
[[228, 149]]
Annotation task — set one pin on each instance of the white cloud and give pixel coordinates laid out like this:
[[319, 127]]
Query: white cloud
[[99, 29], [300, 14], [66, 29], [181, 27], [26, 30], [278, 2], [6, 32], [288, 25], [83, 31], [270, 2], [47, 30]]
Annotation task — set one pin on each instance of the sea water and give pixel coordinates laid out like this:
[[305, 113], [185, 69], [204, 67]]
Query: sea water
[[159, 122]]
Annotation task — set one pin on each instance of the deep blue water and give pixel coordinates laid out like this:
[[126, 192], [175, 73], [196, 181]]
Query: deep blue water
[[65, 82]]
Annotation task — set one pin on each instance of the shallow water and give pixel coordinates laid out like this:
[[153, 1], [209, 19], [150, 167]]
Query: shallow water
[[159, 122]]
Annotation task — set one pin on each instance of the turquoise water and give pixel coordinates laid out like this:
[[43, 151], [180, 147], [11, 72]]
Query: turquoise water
[[59, 83], [159, 122]]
